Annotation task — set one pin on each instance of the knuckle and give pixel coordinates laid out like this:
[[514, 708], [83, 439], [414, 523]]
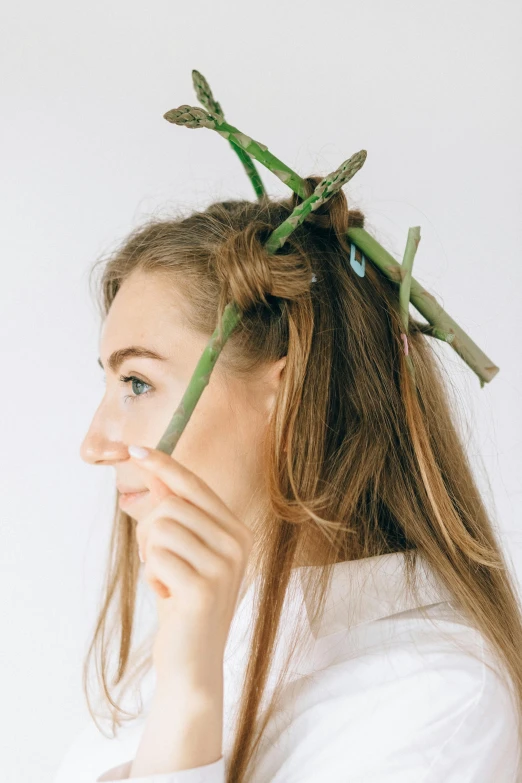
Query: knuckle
[[229, 545], [193, 483], [219, 570], [235, 550]]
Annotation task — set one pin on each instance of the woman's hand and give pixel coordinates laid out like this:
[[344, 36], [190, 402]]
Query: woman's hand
[[195, 552]]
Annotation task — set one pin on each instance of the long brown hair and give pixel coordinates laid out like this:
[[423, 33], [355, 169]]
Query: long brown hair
[[357, 464]]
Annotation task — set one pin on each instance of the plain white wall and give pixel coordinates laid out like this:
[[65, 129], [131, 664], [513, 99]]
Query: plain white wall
[[431, 90]]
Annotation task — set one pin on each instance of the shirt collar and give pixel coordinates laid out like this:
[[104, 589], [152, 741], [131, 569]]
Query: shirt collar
[[369, 589]]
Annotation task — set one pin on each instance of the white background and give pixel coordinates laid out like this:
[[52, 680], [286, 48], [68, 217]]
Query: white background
[[432, 90]]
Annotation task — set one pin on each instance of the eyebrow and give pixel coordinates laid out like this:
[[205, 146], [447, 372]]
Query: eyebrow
[[117, 358]]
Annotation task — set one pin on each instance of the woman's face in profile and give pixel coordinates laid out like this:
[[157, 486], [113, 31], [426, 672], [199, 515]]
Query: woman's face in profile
[[148, 356]]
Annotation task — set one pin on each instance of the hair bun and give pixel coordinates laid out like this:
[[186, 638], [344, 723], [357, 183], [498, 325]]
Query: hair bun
[[285, 275]]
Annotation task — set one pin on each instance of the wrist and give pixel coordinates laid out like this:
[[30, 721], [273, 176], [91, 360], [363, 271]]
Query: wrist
[[189, 697], [184, 729], [203, 684]]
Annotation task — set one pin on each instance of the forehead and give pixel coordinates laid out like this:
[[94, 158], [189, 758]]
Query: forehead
[[145, 311]]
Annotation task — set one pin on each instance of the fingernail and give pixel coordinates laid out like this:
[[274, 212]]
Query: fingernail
[[138, 451], [140, 555]]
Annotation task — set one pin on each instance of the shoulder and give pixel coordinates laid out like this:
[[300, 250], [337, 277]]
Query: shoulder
[[407, 700]]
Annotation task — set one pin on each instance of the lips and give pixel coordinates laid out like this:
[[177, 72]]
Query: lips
[[129, 490], [126, 499]]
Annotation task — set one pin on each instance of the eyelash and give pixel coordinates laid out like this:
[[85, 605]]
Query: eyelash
[[128, 379]]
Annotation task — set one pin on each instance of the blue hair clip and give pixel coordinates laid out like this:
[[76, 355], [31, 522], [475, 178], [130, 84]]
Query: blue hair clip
[[358, 267]]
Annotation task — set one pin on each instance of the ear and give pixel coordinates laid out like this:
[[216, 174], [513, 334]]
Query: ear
[[271, 382], [280, 364], [273, 377]]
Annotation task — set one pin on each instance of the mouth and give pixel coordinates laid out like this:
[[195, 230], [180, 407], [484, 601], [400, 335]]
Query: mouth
[[131, 497]]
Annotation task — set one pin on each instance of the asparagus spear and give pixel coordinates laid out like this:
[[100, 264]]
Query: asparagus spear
[[232, 313], [325, 189], [444, 327], [412, 244], [205, 97]]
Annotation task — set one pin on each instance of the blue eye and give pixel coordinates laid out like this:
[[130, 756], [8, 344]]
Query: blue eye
[[132, 379]]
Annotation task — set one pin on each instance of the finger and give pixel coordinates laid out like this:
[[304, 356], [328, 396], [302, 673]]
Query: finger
[[168, 536], [183, 482], [157, 488], [162, 527], [159, 491], [168, 574], [210, 555]]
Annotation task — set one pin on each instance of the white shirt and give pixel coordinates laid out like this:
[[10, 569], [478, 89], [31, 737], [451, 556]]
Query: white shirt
[[379, 695]]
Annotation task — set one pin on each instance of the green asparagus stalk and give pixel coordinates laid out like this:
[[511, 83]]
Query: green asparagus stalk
[[194, 117], [205, 97], [232, 313], [200, 378], [445, 328], [325, 189], [412, 244]]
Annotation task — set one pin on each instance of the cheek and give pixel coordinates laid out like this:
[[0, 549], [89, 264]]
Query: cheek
[[212, 425], [146, 421]]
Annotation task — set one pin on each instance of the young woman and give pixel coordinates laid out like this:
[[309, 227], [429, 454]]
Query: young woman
[[332, 600]]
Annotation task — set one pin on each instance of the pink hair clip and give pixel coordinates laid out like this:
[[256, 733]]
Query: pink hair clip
[[405, 341]]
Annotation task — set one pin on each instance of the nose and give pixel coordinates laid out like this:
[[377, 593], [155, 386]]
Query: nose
[[97, 450], [102, 444]]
